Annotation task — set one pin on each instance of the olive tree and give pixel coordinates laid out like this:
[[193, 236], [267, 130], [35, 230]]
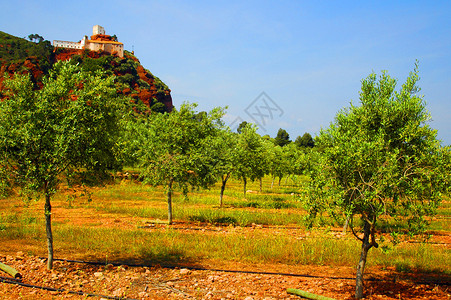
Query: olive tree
[[379, 161], [172, 148], [70, 123], [222, 150], [250, 157]]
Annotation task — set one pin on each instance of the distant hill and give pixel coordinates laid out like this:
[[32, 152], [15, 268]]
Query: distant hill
[[18, 55]]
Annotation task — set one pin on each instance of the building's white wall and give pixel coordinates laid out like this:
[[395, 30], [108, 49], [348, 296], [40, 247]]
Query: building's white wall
[[111, 48], [66, 44], [95, 46]]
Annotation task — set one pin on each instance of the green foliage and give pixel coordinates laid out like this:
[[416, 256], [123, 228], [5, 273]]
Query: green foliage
[[222, 152], [6, 179], [284, 161], [127, 79], [381, 158], [241, 126], [142, 84], [172, 146], [305, 141], [72, 121], [35, 37], [89, 64], [158, 107], [126, 66], [282, 138], [160, 85]]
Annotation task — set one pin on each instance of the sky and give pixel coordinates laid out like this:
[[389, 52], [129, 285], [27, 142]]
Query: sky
[[280, 64]]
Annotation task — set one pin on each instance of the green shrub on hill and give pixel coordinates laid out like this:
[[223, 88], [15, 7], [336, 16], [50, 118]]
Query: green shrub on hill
[[15, 50]]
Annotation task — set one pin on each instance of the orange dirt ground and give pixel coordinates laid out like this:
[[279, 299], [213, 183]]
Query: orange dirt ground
[[214, 280], [156, 282]]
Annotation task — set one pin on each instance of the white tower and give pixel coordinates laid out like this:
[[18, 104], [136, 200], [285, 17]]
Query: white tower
[[97, 29]]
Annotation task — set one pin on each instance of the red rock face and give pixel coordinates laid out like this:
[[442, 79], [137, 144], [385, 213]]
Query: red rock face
[[66, 54], [30, 66], [146, 95]]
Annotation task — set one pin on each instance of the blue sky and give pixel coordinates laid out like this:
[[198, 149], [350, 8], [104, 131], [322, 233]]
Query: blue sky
[[307, 57]]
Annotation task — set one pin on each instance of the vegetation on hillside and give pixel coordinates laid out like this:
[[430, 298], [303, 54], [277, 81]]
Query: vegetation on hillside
[[20, 56], [16, 50]]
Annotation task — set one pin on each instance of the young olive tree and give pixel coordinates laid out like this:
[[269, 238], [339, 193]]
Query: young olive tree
[[380, 161], [222, 149], [285, 162], [172, 149], [250, 162], [71, 123]]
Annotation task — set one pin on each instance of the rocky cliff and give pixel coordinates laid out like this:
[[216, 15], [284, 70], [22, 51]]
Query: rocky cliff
[[19, 56]]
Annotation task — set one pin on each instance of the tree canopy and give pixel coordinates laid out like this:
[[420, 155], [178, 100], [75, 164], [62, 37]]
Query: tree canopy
[[171, 148], [282, 138], [241, 126], [305, 141], [71, 123], [380, 160]]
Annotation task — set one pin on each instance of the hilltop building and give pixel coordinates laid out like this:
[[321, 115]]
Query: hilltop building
[[99, 41]]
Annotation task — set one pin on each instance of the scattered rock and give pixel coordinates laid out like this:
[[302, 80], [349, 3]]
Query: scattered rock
[[118, 293], [185, 271], [19, 255], [164, 283]]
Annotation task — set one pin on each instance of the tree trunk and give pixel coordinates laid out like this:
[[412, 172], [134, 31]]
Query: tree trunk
[[345, 226], [272, 182], [170, 202], [366, 246], [48, 226], [261, 185], [224, 181], [245, 183], [280, 179]]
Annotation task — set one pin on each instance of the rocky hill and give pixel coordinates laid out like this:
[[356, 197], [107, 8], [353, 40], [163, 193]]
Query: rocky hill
[[19, 56]]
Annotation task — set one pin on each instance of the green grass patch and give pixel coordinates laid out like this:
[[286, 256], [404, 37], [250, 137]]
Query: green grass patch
[[257, 247], [413, 256], [171, 245]]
